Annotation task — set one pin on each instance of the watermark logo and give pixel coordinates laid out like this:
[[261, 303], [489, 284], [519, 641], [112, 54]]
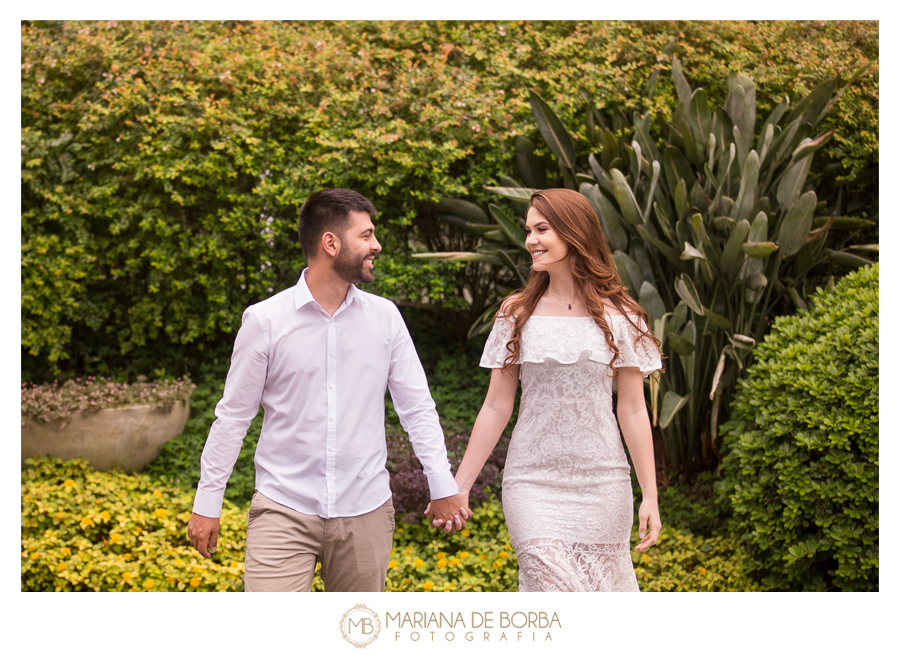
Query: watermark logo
[[360, 626]]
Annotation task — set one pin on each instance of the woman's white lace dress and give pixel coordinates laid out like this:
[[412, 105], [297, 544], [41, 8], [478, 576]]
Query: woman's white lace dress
[[566, 485]]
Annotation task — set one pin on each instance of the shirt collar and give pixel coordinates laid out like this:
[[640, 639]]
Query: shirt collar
[[303, 296]]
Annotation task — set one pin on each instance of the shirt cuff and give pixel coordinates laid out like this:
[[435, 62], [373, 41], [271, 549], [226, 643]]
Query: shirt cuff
[[208, 503], [441, 485]]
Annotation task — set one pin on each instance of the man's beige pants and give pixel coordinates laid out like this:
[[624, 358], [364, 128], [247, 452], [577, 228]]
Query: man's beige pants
[[283, 546]]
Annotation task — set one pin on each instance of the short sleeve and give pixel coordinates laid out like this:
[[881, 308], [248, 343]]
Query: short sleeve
[[643, 354], [495, 352]]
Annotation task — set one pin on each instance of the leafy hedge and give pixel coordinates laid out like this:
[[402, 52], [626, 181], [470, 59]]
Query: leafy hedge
[[802, 471], [85, 530], [163, 163]]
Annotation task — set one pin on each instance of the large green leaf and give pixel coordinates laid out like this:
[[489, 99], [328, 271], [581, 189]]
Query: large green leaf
[[651, 301], [682, 88], [740, 104], [749, 188], [465, 209], [701, 121], [686, 290], [530, 167], [796, 224], [792, 181], [629, 273], [676, 168], [671, 404], [553, 132], [462, 256], [610, 219], [732, 250], [515, 193], [508, 226], [758, 249], [625, 198]]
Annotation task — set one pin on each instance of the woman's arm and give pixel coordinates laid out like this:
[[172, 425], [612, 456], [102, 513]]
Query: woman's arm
[[489, 425], [632, 414]]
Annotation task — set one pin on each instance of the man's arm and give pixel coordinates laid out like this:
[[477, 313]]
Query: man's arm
[[234, 413], [415, 407]]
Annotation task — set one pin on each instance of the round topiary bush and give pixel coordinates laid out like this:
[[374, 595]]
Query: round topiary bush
[[801, 471]]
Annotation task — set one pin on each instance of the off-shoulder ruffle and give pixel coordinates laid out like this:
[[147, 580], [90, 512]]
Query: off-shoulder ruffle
[[566, 340]]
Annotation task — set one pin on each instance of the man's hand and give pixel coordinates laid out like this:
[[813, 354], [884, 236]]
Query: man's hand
[[203, 533], [450, 513]]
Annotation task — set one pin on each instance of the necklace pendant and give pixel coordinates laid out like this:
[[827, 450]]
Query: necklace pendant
[[570, 307]]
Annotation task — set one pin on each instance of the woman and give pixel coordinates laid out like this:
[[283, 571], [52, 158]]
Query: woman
[[568, 336]]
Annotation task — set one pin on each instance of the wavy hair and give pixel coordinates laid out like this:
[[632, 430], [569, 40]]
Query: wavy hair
[[596, 278]]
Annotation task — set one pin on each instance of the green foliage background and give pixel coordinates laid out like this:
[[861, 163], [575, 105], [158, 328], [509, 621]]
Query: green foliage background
[[802, 469], [163, 163]]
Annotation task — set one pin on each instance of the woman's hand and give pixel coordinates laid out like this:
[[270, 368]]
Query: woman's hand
[[648, 515]]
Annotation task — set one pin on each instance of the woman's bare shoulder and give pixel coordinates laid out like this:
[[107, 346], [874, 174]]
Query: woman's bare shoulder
[[508, 303]]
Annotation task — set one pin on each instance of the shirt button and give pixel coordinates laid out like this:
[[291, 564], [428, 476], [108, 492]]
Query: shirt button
[[331, 386]]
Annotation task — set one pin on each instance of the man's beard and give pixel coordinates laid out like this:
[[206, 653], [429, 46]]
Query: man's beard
[[353, 269]]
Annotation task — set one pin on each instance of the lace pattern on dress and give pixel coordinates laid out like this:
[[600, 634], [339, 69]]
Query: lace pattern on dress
[[549, 565], [544, 337]]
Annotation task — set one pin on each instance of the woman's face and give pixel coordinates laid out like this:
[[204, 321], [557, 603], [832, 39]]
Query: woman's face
[[546, 247]]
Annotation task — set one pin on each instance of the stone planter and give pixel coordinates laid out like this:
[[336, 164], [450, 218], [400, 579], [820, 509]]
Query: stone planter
[[127, 438]]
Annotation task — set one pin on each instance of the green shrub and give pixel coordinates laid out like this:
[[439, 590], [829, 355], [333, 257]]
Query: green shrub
[[163, 163], [85, 530], [802, 469]]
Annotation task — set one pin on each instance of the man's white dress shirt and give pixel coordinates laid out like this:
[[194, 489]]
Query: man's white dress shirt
[[321, 382]]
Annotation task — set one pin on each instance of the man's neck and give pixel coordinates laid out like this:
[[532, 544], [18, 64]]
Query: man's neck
[[328, 289]]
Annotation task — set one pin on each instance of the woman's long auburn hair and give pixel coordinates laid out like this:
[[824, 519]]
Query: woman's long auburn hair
[[596, 279]]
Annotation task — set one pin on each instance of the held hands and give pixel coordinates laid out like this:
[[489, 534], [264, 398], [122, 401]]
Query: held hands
[[203, 533], [450, 513], [648, 514]]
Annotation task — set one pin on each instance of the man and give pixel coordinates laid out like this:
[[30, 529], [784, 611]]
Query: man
[[318, 357]]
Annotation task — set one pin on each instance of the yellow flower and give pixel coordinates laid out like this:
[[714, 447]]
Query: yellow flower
[[127, 556], [35, 556], [161, 513], [86, 521], [399, 529], [158, 494], [409, 550], [66, 550], [441, 555], [115, 537], [702, 571], [148, 584], [465, 532], [453, 562], [195, 582], [419, 563], [61, 566], [482, 557], [645, 557], [69, 483], [428, 585], [104, 515], [464, 555], [503, 553], [441, 563], [171, 580], [126, 576], [392, 564], [235, 565]]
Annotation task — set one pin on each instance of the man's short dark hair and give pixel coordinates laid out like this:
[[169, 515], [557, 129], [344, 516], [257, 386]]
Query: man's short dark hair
[[328, 210]]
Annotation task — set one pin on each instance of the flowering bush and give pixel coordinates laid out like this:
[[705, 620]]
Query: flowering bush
[[85, 530], [48, 402]]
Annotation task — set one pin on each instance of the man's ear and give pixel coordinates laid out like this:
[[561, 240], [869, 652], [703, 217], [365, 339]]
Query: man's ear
[[330, 243]]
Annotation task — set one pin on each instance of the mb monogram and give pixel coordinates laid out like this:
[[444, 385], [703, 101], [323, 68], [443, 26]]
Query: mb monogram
[[361, 625]]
